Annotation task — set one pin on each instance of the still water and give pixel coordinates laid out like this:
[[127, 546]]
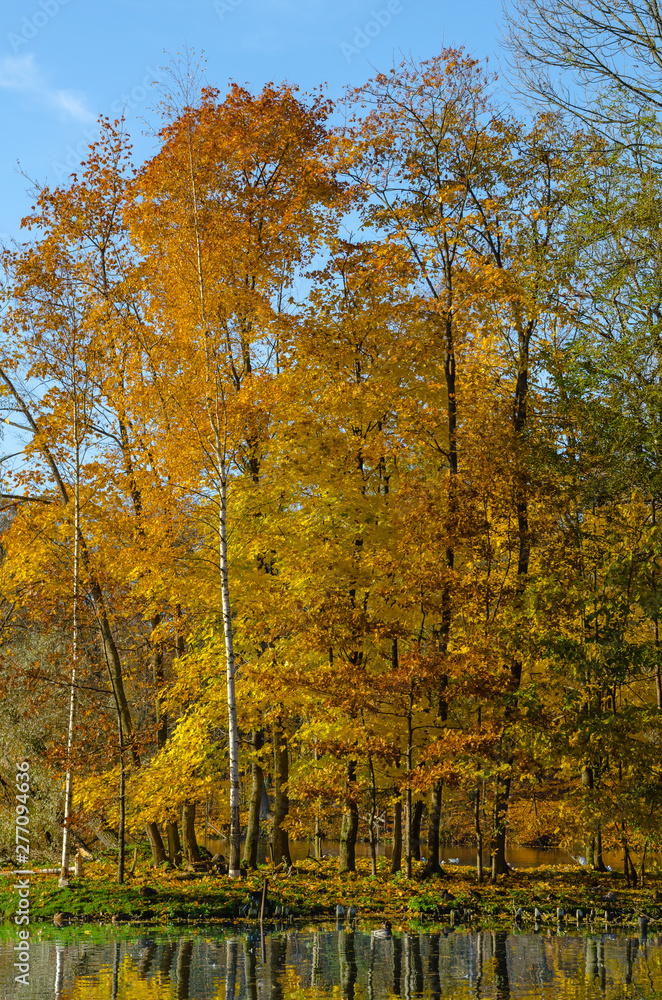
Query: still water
[[326, 962], [518, 857]]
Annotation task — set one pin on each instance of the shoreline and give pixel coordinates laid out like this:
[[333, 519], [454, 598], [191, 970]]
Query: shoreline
[[315, 890]]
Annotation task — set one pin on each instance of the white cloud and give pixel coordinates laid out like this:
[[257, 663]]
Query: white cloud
[[22, 74], [18, 72], [72, 104]]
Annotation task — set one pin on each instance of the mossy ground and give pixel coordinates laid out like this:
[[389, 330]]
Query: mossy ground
[[316, 888]]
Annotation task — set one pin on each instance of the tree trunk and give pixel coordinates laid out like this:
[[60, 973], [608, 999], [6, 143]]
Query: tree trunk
[[396, 859], [594, 841], [587, 785], [406, 831], [157, 678], [317, 836], [280, 841], [499, 825], [630, 870], [318, 833], [350, 823], [371, 817], [105, 834], [190, 845], [151, 829], [479, 838], [407, 810], [174, 846], [68, 791], [432, 866], [113, 661], [122, 830], [417, 816], [265, 805], [257, 783], [234, 870], [626, 862], [590, 851], [503, 783], [599, 864], [155, 843]]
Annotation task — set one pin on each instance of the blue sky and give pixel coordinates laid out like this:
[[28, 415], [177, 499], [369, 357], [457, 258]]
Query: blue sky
[[62, 62]]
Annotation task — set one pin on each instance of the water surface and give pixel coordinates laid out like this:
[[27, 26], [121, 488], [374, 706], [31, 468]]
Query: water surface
[[518, 857], [326, 962]]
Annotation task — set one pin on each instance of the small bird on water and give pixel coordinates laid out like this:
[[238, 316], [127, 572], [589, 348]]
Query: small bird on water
[[383, 932]]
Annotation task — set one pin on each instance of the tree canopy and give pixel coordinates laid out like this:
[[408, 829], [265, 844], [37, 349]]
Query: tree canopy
[[362, 423]]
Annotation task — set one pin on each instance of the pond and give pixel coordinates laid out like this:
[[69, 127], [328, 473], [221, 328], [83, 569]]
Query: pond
[[517, 856], [99, 963]]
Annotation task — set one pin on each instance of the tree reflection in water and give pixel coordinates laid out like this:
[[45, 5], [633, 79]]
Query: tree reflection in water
[[434, 980], [250, 963], [277, 953], [59, 969], [184, 968], [347, 963], [416, 964], [322, 962], [501, 977], [397, 966], [116, 971], [146, 959]]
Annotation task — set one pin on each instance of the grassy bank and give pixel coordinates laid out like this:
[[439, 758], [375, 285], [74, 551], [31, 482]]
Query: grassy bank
[[315, 889]]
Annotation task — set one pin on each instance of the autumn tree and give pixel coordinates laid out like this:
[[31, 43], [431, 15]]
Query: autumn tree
[[228, 211], [472, 198], [78, 284], [605, 374]]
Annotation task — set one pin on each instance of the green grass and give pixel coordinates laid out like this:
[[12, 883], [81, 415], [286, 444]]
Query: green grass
[[316, 888]]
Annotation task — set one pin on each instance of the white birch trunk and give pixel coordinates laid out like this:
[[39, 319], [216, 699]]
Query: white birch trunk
[[66, 834], [234, 870], [233, 738]]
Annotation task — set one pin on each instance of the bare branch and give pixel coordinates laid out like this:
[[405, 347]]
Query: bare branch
[[599, 60]]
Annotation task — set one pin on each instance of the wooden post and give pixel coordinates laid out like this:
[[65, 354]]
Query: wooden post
[[264, 899]]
